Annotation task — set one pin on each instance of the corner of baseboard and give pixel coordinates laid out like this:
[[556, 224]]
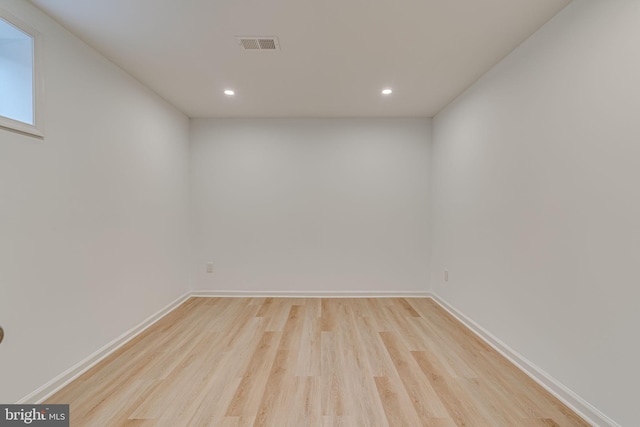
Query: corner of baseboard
[[581, 407]]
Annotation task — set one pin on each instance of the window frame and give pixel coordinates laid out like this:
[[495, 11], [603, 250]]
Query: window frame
[[8, 124]]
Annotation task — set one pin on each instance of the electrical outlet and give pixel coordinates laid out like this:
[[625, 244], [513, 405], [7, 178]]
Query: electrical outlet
[[209, 267], [446, 275]]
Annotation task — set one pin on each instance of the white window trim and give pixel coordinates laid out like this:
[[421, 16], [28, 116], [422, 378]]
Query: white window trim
[[38, 86]]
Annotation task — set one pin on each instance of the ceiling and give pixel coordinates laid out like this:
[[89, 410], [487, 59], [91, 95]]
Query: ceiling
[[335, 57]]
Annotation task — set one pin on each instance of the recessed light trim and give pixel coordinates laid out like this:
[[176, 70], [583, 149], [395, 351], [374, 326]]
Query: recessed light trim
[[387, 91], [229, 92]]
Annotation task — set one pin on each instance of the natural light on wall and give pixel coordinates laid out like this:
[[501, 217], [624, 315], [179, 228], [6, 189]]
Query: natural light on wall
[[18, 82]]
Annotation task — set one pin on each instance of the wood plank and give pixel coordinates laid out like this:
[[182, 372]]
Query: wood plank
[[249, 394]]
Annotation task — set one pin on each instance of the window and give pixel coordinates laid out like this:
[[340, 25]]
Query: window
[[20, 87]]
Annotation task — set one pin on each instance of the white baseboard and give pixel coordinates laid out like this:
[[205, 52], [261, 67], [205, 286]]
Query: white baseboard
[[580, 406], [74, 372], [312, 294]]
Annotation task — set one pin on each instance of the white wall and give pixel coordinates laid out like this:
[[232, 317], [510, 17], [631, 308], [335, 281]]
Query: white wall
[[537, 202], [93, 219], [310, 205]]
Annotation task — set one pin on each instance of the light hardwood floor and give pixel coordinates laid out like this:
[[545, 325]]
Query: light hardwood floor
[[300, 362]]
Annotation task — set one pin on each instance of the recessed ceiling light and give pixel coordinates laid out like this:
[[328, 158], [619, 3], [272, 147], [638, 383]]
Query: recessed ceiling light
[[229, 92], [387, 91]]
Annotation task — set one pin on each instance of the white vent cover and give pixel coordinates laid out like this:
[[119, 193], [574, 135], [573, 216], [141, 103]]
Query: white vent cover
[[258, 43]]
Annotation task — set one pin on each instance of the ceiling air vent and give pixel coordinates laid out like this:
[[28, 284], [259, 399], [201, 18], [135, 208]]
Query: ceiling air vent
[[258, 43]]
